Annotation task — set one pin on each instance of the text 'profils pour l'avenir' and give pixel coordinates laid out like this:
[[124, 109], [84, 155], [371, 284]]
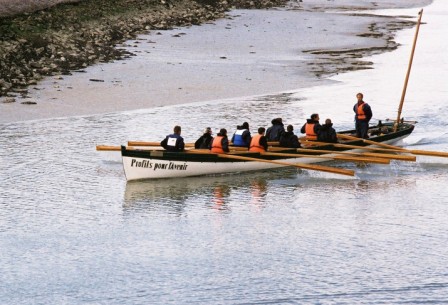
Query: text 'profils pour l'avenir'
[[156, 165]]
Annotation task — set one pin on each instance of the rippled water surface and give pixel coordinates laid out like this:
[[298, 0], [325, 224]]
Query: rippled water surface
[[72, 231]]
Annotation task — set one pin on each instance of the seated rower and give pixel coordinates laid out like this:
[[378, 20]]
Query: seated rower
[[276, 130], [220, 143], [174, 142], [259, 142], [327, 133], [204, 141], [242, 136], [289, 139], [311, 127]]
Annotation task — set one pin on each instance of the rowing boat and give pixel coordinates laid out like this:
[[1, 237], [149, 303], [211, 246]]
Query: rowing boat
[[146, 163]]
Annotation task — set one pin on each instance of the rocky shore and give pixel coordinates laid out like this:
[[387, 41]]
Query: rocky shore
[[70, 37]]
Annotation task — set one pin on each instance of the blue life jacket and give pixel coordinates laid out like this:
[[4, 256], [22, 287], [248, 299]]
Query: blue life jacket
[[238, 138]]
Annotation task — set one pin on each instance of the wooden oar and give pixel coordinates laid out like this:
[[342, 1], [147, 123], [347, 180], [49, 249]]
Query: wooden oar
[[322, 168], [399, 149], [378, 149], [144, 143], [108, 148], [118, 148], [205, 151], [362, 154], [315, 143], [341, 158], [242, 150]]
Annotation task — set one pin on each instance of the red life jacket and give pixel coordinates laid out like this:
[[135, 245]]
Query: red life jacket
[[217, 145], [255, 144], [309, 131], [360, 115]]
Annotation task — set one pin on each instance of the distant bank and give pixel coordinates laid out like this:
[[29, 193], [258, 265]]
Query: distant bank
[[61, 37], [15, 7]]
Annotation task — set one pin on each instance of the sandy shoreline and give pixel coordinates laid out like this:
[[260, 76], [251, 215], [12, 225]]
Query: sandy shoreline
[[255, 52]]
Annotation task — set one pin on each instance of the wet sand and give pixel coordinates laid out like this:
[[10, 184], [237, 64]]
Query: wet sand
[[254, 52]]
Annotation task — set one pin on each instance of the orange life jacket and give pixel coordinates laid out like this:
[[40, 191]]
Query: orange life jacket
[[217, 145], [255, 144], [360, 115], [309, 131]]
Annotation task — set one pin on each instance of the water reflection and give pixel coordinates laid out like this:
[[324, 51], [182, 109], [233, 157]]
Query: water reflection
[[173, 195], [220, 197], [258, 192]]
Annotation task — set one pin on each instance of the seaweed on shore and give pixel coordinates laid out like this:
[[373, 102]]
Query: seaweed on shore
[[72, 36]]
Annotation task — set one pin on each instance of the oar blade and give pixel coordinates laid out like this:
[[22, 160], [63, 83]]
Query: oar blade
[[108, 148]]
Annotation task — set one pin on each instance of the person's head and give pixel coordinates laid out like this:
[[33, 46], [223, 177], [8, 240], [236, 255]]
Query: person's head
[[245, 125], [328, 121], [177, 129], [277, 121], [208, 130], [359, 96], [289, 128], [315, 117], [261, 130], [223, 132]]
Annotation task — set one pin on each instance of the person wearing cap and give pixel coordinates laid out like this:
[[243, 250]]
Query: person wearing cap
[[259, 142], [204, 141], [276, 130], [327, 133], [174, 142], [311, 127], [363, 114], [242, 136], [220, 143], [289, 139]]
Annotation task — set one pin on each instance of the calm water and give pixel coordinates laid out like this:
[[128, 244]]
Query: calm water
[[72, 231]]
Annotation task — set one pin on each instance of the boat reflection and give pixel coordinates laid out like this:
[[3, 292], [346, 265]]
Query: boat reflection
[[258, 191], [220, 196], [175, 195]]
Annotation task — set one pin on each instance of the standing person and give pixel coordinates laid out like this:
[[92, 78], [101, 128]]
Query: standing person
[[174, 142], [242, 136], [363, 114], [289, 139], [259, 142], [276, 130], [311, 127], [220, 143], [327, 133], [204, 140]]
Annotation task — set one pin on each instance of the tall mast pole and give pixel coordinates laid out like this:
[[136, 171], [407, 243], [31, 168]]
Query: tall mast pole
[[409, 72]]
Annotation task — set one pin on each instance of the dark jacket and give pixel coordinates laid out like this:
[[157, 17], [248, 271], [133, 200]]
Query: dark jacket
[[177, 145], [310, 121], [327, 134], [275, 131], [204, 141], [264, 142], [289, 139], [367, 111]]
